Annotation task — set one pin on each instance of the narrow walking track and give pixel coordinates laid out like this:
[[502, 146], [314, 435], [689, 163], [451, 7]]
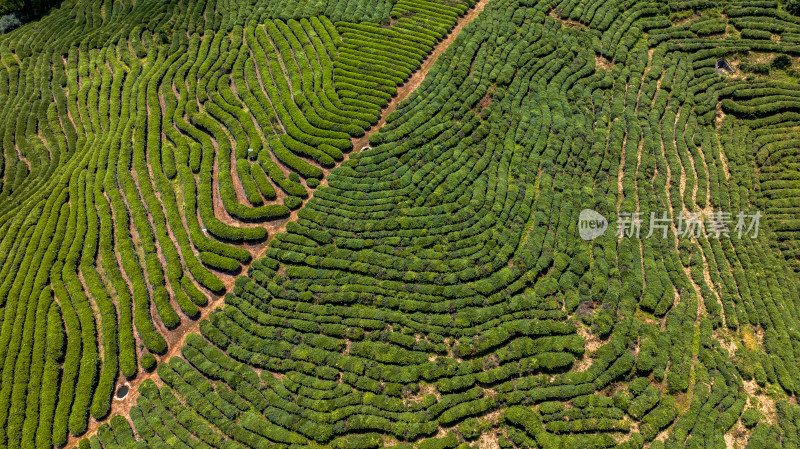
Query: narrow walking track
[[177, 336]]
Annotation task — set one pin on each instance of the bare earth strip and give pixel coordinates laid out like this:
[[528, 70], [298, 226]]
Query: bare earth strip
[[416, 79], [177, 337]]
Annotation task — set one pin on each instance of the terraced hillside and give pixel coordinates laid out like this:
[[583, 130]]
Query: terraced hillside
[[143, 167], [433, 289]]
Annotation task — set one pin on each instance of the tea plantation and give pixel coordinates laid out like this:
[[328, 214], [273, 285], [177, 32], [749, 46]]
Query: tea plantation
[[358, 224]]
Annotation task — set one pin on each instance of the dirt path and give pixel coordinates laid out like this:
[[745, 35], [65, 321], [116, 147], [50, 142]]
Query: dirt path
[[416, 79], [177, 336]]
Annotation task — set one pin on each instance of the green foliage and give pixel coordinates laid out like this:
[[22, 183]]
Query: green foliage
[[781, 62], [292, 202], [436, 290], [8, 22], [148, 361], [470, 428], [25, 6], [793, 6], [751, 417]]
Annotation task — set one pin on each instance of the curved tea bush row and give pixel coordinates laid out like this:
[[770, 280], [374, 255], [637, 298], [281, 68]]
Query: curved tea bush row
[[144, 147], [437, 292], [372, 60]]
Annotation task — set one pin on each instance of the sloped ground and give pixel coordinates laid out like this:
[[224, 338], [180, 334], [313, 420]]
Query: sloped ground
[[151, 163], [434, 290]]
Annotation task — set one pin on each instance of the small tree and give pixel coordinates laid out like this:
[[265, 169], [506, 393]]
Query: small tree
[[8, 22], [793, 6], [781, 61]]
